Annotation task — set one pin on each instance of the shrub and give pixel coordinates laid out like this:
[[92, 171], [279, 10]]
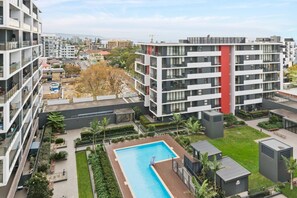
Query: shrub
[[59, 141], [144, 121], [138, 112], [59, 156], [151, 134], [151, 128]]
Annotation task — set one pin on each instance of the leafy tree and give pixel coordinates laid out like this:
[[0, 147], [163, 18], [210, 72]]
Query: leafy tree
[[203, 159], [56, 121], [215, 165], [291, 165], [193, 126], [116, 80], [39, 186], [203, 190], [72, 70], [95, 128], [292, 74], [138, 112], [104, 123], [123, 57], [177, 120]]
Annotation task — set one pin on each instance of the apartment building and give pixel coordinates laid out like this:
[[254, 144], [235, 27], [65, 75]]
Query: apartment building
[[203, 73], [20, 91], [56, 47], [289, 51], [118, 43]]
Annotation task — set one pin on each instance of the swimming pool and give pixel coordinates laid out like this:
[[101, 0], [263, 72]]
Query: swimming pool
[[135, 163]]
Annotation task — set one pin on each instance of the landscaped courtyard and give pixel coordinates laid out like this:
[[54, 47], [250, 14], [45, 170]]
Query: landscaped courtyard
[[239, 143]]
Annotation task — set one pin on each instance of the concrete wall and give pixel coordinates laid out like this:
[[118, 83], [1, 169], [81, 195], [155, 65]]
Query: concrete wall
[[267, 104], [233, 187], [75, 118]]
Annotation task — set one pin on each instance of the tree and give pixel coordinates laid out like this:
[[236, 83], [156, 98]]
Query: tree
[[214, 166], [193, 126], [203, 159], [177, 120], [72, 70], [123, 57], [292, 74], [56, 121], [203, 190], [39, 186], [116, 80], [291, 165], [95, 128], [104, 123]]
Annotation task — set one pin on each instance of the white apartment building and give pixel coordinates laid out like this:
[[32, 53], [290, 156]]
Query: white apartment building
[[289, 50], [20, 91], [204, 73], [56, 47]]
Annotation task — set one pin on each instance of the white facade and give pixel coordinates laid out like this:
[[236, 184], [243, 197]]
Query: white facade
[[20, 91], [193, 75], [289, 51]]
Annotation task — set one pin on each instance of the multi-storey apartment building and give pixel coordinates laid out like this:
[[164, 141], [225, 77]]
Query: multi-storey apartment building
[[56, 47], [20, 92], [118, 43], [289, 50], [203, 73]]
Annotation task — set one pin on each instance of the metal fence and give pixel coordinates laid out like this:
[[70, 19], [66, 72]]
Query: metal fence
[[184, 175]]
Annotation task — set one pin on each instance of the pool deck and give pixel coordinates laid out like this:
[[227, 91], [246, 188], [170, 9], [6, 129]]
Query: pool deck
[[173, 182]]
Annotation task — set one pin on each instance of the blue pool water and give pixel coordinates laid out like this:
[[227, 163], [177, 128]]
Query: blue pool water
[[135, 162]]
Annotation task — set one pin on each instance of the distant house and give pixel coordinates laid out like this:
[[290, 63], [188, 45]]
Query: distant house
[[83, 56], [53, 74], [97, 55]]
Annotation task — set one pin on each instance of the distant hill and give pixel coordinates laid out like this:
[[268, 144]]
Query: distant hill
[[82, 36]]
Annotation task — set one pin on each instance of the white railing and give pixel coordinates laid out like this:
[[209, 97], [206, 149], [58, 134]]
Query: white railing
[[14, 22], [15, 2], [26, 9], [26, 26], [35, 29], [34, 15]]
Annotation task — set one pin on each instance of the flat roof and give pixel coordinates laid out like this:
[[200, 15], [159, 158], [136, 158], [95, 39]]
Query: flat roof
[[288, 115], [205, 147], [275, 144], [83, 105], [231, 170], [213, 113]]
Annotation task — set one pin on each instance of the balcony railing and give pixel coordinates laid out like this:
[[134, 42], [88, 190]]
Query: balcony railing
[[25, 78], [26, 61], [14, 22], [34, 42], [26, 26], [11, 92], [14, 2], [1, 20], [1, 70], [26, 43], [4, 144], [9, 45], [26, 9], [14, 109], [34, 15], [35, 29], [14, 66]]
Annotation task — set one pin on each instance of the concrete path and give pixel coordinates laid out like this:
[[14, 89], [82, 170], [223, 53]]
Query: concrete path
[[290, 138], [68, 188]]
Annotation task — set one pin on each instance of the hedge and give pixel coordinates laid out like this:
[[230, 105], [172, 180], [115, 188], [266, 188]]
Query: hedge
[[43, 160], [59, 156], [109, 132], [252, 114], [105, 182], [144, 121]]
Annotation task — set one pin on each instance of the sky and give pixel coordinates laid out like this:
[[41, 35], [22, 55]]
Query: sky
[[169, 20]]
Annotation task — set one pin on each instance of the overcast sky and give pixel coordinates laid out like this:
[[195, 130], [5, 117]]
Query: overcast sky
[[169, 20]]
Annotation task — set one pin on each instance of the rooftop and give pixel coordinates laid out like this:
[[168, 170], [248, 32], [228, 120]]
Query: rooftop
[[212, 113], [275, 144], [231, 170], [286, 114], [205, 147], [82, 105]]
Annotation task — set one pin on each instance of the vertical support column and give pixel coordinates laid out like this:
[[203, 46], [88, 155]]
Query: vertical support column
[[225, 79]]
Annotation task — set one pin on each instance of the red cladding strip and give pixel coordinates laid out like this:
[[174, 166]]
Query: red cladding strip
[[225, 79]]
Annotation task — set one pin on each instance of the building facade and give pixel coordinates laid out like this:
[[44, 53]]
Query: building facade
[[118, 43], [203, 73], [49, 42], [20, 91], [289, 50]]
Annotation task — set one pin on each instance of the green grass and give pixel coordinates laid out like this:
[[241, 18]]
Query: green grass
[[83, 176], [239, 144], [289, 193]]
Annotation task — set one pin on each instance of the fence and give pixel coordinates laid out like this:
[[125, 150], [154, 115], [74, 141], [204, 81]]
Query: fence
[[184, 175]]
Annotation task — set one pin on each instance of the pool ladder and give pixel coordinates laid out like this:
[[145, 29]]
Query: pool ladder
[[152, 163]]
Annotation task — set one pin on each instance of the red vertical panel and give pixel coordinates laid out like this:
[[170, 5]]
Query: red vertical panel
[[149, 49], [225, 79]]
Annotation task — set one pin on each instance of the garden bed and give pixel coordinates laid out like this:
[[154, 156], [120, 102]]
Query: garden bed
[[250, 115]]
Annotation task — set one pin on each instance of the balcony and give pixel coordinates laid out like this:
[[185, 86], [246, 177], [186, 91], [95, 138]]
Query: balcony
[[26, 43], [35, 29], [34, 15], [14, 66], [14, 107], [4, 144], [9, 45], [27, 27], [26, 77], [26, 9], [26, 61], [14, 22], [14, 2], [6, 96]]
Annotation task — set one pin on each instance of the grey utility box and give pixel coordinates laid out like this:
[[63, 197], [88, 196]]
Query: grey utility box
[[271, 163], [213, 122]]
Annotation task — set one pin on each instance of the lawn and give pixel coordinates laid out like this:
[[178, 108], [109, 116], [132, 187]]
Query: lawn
[[239, 144], [289, 193], [84, 181]]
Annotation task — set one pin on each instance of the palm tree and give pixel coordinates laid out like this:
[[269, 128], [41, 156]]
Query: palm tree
[[193, 127], [203, 190], [215, 165], [95, 128], [203, 159], [56, 121], [177, 120], [104, 123], [291, 165]]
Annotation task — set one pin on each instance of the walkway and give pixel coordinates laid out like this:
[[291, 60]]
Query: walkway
[[67, 188], [290, 138]]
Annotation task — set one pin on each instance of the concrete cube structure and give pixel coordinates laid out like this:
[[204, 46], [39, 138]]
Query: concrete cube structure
[[213, 122], [271, 163]]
